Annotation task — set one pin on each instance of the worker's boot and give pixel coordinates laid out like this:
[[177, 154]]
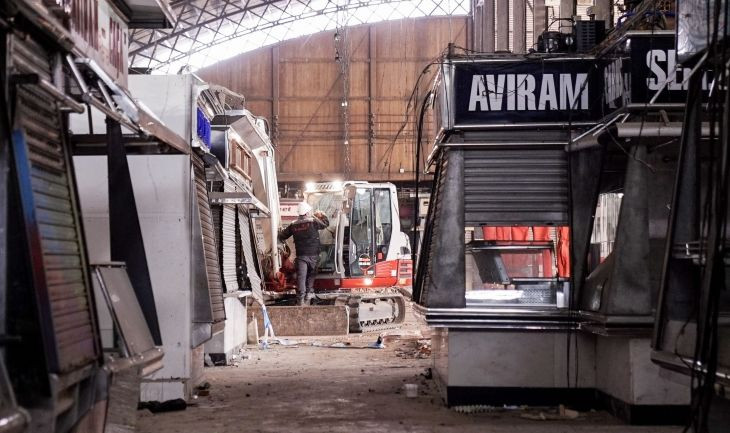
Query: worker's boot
[[302, 301], [308, 298]]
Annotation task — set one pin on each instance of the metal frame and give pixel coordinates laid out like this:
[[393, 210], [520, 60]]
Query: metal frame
[[204, 24], [523, 319]]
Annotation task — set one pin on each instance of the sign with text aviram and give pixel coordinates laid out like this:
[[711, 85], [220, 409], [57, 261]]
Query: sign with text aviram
[[541, 91]]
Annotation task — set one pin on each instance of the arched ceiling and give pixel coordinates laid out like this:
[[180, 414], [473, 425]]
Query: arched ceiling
[[208, 31]]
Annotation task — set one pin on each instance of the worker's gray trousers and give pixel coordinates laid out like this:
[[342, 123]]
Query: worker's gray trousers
[[306, 271]]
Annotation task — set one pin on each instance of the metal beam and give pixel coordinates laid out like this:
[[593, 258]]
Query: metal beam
[[539, 19], [519, 29], [320, 177], [275, 96], [372, 92], [488, 22], [502, 25], [567, 10], [203, 24], [126, 241]]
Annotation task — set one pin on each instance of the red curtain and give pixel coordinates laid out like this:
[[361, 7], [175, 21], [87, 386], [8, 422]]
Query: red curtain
[[520, 233], [564, 251], [539, 233]]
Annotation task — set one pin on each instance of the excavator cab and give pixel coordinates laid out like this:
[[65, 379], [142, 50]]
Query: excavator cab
[[363, 244]]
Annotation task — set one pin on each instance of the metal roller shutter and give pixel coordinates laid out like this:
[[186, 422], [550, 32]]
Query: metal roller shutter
[[212, 265], [216, 213], [515, 186], [249, 255], [48, 195], [228, 237]]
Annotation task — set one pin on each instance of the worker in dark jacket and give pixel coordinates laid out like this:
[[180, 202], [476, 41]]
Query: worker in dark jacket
[[306, 242]]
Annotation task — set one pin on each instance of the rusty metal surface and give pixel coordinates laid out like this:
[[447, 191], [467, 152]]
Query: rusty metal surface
[[52, 215]]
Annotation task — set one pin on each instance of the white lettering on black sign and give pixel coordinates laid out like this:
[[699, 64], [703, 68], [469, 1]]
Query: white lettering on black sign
[[520, 92], [616, 84], [663, 67]]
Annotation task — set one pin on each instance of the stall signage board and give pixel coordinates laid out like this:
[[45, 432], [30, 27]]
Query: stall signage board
[[101, 34], [642, 65], [526, 91]]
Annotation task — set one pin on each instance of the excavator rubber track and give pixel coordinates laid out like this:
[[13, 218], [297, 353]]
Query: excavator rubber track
[[374, 312]]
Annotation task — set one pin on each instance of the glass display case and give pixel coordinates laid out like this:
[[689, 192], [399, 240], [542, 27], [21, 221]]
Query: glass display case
[[512, 273]]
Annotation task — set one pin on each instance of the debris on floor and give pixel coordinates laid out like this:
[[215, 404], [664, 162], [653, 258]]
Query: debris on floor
[[419, 349], [411, 390], [315, 389], [480, 408], [203, 389], [562, 414], [402, 335], [378, 343], [286, 342], [424, 348], [341, 345]]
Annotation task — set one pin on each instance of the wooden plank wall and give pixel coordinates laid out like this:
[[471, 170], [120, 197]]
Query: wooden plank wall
[[297, 84]]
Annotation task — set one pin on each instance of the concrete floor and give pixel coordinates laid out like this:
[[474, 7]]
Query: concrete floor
[[322, 389]]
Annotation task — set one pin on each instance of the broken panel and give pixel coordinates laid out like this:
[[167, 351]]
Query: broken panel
[[135, 340]]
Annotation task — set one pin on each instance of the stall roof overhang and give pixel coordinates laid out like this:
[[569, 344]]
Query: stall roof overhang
[[207, 31], [647, 131], [93, 87]]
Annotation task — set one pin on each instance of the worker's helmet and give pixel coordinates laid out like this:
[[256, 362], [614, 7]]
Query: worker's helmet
[[303, 208]]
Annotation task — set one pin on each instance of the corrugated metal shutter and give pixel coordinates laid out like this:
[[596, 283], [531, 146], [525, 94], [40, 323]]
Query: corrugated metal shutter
[[51, 192], [515, 186], [249, 255], [216, 213], [212, 265], [228, 235]]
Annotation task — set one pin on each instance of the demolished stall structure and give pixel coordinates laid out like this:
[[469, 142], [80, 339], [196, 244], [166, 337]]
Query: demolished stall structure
[[199, 223], [175, 220], [245, 206]]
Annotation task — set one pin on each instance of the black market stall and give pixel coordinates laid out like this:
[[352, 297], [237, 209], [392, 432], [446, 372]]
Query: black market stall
[[508, 319]]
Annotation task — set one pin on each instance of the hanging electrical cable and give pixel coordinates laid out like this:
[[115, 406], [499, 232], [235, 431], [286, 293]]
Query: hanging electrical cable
[[712, 243], [342, 57]]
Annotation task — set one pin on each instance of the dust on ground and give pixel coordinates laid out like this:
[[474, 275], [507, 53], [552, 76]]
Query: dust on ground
[[308, 386]]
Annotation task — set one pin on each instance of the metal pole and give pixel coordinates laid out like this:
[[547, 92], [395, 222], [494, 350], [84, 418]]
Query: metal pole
[[502, 25], [488, 23], [519, 22]]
